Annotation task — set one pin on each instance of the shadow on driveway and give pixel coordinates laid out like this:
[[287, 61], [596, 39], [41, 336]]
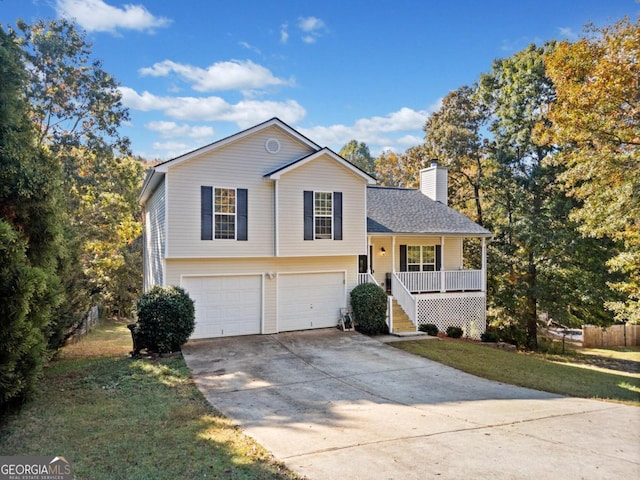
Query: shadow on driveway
[[334, 404]]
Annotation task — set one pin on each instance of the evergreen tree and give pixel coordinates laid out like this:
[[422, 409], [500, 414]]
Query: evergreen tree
[[31, 228]]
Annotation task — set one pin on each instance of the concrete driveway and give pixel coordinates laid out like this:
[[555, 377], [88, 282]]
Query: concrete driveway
[[331, 404]]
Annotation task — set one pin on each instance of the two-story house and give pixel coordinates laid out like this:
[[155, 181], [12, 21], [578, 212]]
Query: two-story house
[[269, 232]]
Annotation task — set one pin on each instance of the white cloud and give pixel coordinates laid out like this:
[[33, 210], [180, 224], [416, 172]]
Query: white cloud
[[568, 33], [284, 33], [377, 132], [98, 16], [174, 146], [244, 113], [230, 75], [248, 46], [312, 27], [172, 130], [310, 24]]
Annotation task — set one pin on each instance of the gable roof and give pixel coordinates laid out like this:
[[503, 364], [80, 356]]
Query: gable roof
[[275, 174], [409, 211], [155, 175]]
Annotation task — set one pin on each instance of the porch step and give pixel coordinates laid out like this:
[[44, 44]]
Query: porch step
[[401, 322]]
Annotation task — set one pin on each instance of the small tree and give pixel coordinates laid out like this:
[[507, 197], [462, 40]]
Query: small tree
[[369, 303], [166, 319]]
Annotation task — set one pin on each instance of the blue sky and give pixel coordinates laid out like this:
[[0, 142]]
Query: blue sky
[[194, 71]]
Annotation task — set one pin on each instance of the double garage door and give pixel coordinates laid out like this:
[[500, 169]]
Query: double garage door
[[233, 305]]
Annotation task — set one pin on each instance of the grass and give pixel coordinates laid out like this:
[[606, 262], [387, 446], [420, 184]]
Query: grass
[[569, 374], [115, 417]]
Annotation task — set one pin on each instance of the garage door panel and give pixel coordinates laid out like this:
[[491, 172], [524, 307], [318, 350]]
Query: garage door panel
[[310, 300], [226, 305]]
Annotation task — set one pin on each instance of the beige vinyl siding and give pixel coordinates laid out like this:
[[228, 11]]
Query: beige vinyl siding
[[177, 269], [452, 253], [155, 232], [240, 164], [321, 175]]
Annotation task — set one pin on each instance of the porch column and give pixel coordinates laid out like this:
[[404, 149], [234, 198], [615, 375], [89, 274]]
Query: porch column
[[369, 250], [393, 254], [443, 287], [483, 287]]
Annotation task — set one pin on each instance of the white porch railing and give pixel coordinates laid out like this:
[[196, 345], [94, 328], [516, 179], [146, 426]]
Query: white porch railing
[[366, 278], [454, 280], [404, 298]]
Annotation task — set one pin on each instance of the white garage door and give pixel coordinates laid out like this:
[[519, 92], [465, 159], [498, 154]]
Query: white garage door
[[310, 300], [226, 306]]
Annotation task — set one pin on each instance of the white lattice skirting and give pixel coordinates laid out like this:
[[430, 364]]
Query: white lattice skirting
[[467, 311]]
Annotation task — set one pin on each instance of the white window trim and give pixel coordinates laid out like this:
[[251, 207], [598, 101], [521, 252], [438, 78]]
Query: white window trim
[[422, 258], [329, 216], [235, 213]]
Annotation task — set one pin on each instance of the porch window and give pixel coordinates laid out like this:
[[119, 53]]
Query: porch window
[[421, 258]]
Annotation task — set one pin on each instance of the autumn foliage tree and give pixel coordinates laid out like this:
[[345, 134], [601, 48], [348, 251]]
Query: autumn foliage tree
[[595, 120], [455, 135], [77, 110]]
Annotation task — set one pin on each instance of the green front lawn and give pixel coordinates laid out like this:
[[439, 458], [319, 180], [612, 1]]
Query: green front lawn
[[115, 417], [574, 374]]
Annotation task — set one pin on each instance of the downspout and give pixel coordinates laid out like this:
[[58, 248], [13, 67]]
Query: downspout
[[276, 245], [443, 287], [483, 286]]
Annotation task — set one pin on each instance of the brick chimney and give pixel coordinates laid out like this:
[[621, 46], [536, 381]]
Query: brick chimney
[[433, 182]]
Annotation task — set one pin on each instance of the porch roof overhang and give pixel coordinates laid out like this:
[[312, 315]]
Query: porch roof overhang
[[400, 211]]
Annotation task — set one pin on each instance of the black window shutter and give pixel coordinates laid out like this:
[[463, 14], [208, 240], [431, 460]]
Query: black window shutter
[[403, 258], [241, 212], [337, 215], [308, 215], [206, 213], [438, 257]]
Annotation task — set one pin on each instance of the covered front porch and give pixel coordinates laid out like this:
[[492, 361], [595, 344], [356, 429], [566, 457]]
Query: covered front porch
[[433, 279]]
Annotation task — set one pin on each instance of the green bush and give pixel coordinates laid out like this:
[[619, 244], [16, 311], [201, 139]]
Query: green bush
[[369, 303], [454, 332], [490, 336], [166, 319], [429, 328]]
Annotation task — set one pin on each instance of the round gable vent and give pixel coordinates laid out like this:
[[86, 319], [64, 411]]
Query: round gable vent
[[272, 145]]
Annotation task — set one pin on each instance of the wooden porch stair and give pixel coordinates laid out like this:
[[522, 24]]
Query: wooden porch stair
[[401, 322]]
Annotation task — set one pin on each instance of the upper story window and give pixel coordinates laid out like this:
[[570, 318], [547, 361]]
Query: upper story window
[[223, 213], [421, 258], [323, 214]]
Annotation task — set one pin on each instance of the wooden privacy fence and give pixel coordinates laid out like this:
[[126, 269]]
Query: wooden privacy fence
[[613, 336]]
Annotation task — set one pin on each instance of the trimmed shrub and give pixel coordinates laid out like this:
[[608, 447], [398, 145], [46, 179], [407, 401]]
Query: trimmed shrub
[[369, 304], [166, 319], [454, 332], [490, 336], [429, 328]]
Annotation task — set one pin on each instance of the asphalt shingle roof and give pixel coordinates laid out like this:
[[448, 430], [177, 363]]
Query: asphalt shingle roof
[[401, 210]]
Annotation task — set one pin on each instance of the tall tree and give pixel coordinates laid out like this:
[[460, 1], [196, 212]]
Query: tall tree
[[74, 101], [77, 109], [455, 136], [536, 244], [596, 120], [359, 155], [30, 234]]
